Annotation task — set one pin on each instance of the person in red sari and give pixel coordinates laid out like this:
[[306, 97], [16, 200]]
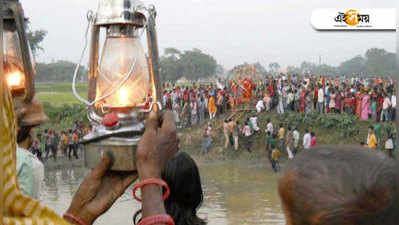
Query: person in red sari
[[247, 92], [358, 104], [302, 104], [380, 101], [234, 86]]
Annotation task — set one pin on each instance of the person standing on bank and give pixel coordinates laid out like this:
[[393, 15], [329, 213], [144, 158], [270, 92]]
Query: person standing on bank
[[307, 139]]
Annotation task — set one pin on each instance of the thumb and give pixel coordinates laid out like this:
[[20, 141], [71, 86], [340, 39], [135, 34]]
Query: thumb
[[103, 166], [153, 119]]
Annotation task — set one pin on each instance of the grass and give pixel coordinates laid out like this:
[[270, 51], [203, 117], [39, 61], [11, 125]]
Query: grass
[[58, 94], [191, 138]]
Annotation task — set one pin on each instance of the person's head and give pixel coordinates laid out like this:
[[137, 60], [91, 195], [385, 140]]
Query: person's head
[[289, 128], [349, 185], [281, 125], [312, 134], [306, 130], [268, 120], [25, 136], [183, 178], [371, 129]]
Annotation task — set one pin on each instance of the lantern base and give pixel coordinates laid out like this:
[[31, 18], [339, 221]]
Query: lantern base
[[122, 150]]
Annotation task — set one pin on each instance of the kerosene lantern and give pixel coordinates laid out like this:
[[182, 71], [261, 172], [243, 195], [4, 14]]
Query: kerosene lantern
[[18, 60], [123, 82]]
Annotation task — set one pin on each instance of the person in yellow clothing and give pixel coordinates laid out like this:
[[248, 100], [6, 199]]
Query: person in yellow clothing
[[212, 107], [64, 143], [371, 138], [281, 136]]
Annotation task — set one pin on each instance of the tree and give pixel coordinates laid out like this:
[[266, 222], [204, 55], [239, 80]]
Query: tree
[[192, 64], [376, 62], [356, 65], [61, 71], [35, 38], [380, 62]]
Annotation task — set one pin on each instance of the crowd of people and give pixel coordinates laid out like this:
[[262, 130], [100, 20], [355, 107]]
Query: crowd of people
[[51, 143], [367, 98], [371, 99]]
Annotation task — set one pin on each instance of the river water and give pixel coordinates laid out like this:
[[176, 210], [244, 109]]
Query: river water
[[235, 192]]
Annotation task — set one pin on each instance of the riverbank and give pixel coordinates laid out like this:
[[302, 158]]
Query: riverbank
[[330, 129]]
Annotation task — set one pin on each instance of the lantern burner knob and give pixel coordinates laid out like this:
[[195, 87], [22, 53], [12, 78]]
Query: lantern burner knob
[[110, 120]]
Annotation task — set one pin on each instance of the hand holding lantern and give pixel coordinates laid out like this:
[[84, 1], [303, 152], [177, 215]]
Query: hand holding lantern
[[123, 84]]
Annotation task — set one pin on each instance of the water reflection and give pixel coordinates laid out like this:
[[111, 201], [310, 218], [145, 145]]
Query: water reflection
[[235, 193]]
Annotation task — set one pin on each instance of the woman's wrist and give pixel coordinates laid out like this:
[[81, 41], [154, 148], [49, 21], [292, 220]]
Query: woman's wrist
[[148, 170], [86, 217], [152, 200]]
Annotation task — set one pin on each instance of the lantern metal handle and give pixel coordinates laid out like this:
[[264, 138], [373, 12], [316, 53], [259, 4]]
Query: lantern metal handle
[[91, 19]]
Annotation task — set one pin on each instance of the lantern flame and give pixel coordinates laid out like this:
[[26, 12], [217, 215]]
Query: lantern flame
[[14, 79], [123, 96]]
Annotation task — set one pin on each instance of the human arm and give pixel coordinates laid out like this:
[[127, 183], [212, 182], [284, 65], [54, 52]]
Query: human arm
[[102, 187], [158, 144]]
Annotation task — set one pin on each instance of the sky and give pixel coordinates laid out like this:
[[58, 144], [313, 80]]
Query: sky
[[233, 31]]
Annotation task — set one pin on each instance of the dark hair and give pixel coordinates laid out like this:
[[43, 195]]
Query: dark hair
[[182, 175], [23, 133], [350, 185], [312, 134]]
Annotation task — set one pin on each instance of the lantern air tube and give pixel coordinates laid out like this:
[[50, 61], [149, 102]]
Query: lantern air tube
[[76, 73]]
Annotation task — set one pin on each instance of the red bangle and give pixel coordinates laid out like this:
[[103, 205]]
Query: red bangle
[[157, 219], [151, 181], [74, 219]]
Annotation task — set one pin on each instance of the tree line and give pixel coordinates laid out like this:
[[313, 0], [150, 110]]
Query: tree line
[[195, 64], [375, 62]]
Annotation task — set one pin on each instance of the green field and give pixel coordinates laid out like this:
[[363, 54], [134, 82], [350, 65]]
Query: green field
[[58, 94]]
